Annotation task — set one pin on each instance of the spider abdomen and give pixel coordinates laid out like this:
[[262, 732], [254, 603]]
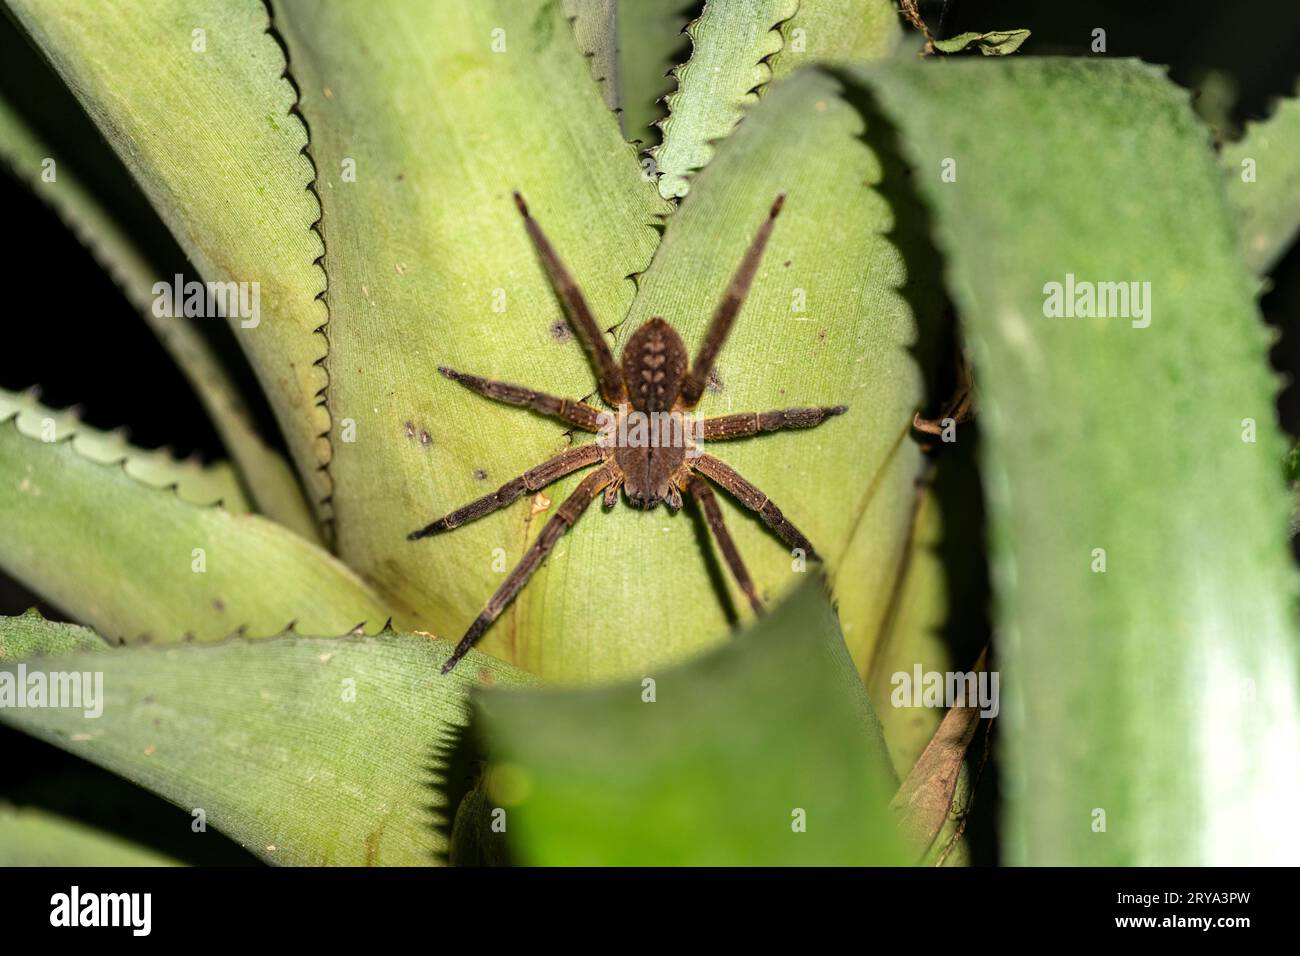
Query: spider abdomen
[[651, 440], [654, 364]]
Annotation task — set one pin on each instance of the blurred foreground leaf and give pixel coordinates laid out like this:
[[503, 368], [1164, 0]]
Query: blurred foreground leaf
[[1146, 597], [30, 836], [763, 752]]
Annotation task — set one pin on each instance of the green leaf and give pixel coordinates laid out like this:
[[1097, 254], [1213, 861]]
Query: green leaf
[[730, 44], [1262, 172], [1162, 692], [263, 472], [734, 750], [31, 636], [650, 39], [236, 729], [993, 43], [595, 27], [88, 525], [835, 32], [191, 94], [426, 245], [195, 483], [30, 836], [912, 635]]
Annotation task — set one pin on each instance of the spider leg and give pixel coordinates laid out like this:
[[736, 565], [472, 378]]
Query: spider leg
[[744, 424], [567, 461], [725, 314], [708, 502], [579, 313], [587, 491], [749, 495], [575, 413]]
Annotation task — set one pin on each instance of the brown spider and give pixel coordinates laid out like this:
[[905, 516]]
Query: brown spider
[[651, 464]]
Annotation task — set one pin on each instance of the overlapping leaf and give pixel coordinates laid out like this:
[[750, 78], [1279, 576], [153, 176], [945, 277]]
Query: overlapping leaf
[[650, 39], [96, 528], [834, 32], [764, 751], [265, 475], [34, 837], [595, 27], [196, 483], [730, 44], [306, 750], [191, 94], [1146, 620]]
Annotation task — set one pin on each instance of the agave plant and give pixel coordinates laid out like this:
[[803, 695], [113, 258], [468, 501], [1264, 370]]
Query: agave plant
[[339, 176]]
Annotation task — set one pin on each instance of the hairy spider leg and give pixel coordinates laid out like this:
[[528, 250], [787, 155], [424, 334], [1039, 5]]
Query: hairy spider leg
[[581, 414], [749, 495], [587, 491], [551, 470], [579, 313], [745, 424], [725, 314], [708, 502]]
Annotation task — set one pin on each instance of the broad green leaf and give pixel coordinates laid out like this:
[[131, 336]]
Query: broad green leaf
[[62, 809], [305, 750], [837, 32], [595, 27], [762, 752], [1262, 172], [429, 261], [30, 836], [1162, 692], [82, 524], [826, 322], [650, 39], [192, 96], [730, 44], [266, 476], [993, 43]]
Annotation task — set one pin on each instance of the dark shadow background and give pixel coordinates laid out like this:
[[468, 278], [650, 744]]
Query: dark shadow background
[[70, 330]]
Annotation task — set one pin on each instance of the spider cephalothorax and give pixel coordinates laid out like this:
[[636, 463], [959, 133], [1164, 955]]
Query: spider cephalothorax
[[651, 447]]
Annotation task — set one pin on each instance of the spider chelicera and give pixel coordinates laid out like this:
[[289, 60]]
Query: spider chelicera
[[651, 464]]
